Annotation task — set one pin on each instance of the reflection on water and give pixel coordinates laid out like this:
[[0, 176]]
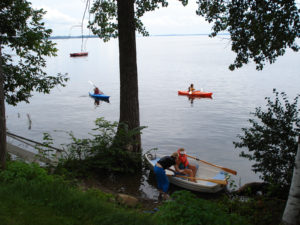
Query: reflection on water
[[97, 101], [29, 121], [165, 65], [192, 98]]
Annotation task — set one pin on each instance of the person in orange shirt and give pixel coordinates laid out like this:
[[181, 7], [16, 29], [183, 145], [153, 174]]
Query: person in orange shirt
[[183, 166]]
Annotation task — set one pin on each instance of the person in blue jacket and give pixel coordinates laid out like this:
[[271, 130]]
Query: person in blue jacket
[[159, 169]]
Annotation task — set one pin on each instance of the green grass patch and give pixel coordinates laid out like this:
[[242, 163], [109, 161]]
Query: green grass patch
[[187, 209], [28, 195], [44, 199]]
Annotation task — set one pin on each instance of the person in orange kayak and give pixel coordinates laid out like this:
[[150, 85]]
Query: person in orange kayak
[[191, 89], [183, 166]]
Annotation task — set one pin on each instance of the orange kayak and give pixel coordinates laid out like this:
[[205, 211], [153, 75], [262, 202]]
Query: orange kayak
[[196, 93]]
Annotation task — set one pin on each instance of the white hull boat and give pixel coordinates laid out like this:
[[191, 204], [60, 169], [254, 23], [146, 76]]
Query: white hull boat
[[209, 178]]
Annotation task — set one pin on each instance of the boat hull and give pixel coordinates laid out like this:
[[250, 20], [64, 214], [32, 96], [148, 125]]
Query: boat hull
[[204, 171], [78, 54], [99, 96], [196, 94]]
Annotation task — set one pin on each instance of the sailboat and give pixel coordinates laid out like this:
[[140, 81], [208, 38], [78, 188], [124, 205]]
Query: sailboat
[[82, 53]]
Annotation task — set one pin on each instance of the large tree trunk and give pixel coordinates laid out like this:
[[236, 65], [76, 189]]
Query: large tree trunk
[[291, 215], [2, 118], [129, 102]]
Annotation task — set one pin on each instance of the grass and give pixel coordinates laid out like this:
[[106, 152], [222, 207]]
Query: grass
[[48, 200], [28, 195], [33, 203]]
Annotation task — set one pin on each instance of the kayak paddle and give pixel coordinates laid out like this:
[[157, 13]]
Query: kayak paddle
[[92, 83]]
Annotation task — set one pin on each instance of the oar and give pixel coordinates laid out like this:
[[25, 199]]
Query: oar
[[223, 182], [223, 168]]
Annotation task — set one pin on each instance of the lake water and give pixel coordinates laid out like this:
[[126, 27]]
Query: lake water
[[205, 128]]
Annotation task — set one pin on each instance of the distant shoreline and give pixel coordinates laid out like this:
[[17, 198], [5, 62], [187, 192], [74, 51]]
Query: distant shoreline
[[153, 35]]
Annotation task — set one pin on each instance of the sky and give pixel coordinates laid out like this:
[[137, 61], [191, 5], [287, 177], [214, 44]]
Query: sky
[[64, 17]]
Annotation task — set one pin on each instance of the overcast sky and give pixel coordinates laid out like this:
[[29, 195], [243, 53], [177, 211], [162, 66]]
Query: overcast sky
[[64, 17]]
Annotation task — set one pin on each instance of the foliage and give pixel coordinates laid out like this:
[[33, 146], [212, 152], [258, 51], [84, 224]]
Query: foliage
[[30, 196], [46, 153], [24, 43], [104, 23], [106, 152], [258, 211], [259, 30], [185, 208], [17, 170], [44, 199], [272, 142]]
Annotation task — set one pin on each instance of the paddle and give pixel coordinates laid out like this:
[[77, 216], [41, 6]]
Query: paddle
[[223, 182], [223, 168], [92, 83], [100, 92]]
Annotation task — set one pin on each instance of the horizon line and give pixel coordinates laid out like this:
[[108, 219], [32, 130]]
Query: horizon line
[[95, 36]]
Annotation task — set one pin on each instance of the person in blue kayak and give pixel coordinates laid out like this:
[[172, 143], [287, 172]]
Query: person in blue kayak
[[97, 91], [191, 89], [159, 169]]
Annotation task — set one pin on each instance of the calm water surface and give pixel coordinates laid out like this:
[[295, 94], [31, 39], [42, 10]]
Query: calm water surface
[[205, 127]]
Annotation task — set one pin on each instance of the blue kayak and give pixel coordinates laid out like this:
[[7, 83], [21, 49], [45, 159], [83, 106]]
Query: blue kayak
[[99, 96]]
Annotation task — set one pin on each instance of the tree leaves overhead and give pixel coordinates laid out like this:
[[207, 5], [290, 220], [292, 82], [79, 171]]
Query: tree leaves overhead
[[259, 30], [24, 44], [105, 20]]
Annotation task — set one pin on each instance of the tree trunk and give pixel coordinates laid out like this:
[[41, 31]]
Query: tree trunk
[[2, 118], [129, 102], [291, 215]]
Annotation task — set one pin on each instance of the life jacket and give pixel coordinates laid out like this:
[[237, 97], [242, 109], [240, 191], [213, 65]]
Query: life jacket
[[96, 91], [191, 89], [183, 159]]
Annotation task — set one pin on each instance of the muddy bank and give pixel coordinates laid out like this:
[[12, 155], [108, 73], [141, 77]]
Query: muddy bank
[[140, 186]]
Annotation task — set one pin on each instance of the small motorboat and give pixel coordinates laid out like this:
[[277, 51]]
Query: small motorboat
[[196, 94], [79, 54], [210, 178], [99, 96]]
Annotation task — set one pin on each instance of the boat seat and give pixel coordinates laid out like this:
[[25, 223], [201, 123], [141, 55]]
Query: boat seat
[[219, 176]]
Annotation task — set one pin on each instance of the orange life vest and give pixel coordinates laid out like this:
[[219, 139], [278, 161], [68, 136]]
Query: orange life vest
[[183, 159], [191, 89]]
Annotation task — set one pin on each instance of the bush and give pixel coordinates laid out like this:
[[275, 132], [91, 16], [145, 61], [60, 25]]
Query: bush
[[18, 170], [189, 210], [259, 210], [108, 151], [272, 142]]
